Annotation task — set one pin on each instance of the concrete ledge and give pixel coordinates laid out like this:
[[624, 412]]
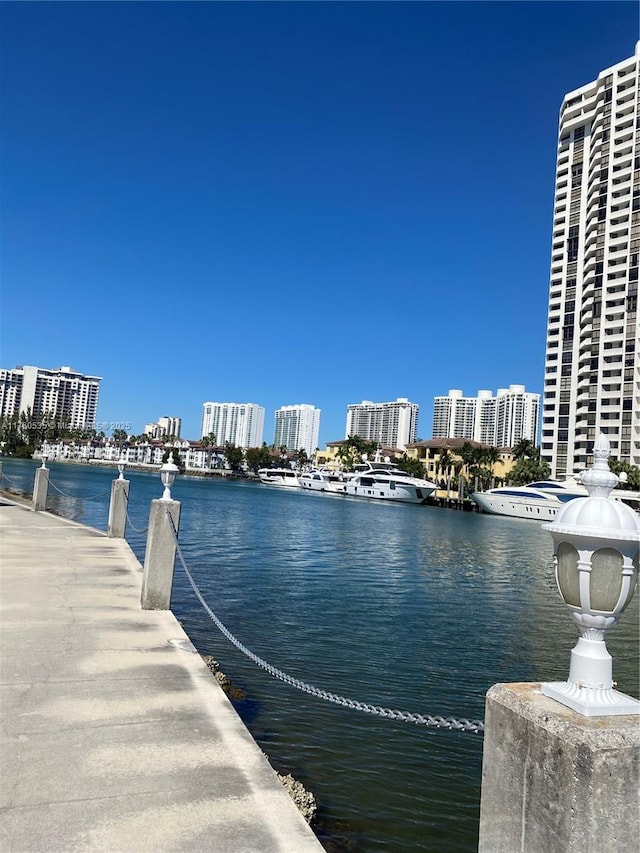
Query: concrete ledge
[[114, 735], [554, 781]]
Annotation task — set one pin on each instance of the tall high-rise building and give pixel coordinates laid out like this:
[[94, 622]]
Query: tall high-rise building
[[165, 427], [62, 395], [297, 428], [390, 424], [592, 366], [241, 424], [500, 421]]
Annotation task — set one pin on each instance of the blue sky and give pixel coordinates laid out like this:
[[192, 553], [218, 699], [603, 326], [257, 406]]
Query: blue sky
[[286, 203]]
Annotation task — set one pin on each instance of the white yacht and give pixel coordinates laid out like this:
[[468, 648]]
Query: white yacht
[[540, 500], [324, 481], [279, 477], [383, 480]]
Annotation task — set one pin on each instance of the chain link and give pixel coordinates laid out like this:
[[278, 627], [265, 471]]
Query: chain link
[[438, 722], [125, 497], [79, 497], [9, 480], [133, 527]]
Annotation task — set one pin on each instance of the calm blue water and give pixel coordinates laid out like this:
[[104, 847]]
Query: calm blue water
[[409, 607]]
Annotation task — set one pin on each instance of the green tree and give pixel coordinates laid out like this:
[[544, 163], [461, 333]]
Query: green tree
[[10, 435], [632, 472], [444, 466], [490, 456], [527, 470], [460, 479], [119, 436], [258, 457], [209, 440], [411, 466], [525, 449], [472, 458], [172, 453], [529, 466], [234, 456], [351, 451], [301, 458]]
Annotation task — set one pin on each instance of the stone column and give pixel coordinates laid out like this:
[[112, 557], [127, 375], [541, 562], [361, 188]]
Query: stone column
[[555, 781], [40, 489], [118, 508], [160, 555]]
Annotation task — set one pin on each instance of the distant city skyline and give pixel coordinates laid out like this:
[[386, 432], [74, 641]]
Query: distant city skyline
[[297, 427], [67, 398], [391, 423], [499, 421], [286, 201]]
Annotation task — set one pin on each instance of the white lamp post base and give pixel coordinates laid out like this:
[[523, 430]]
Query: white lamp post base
[[591, 701]]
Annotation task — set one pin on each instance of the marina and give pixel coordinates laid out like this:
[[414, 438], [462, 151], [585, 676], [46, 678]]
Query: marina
[[408, 607]]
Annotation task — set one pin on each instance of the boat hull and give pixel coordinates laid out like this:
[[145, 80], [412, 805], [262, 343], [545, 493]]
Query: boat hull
[[517, 507], [323, 481], [403, 493], [275, 477]]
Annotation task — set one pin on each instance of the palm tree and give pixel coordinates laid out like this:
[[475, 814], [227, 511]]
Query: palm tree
[[458, 469], [525, 449], [445, 462], [490, 456]]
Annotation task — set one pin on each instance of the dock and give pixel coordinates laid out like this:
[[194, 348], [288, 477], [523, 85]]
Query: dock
[[115, 736]]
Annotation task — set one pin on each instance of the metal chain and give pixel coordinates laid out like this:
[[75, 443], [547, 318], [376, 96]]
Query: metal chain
[[79, 497], [9, 480], [132, 525], [125, 496], [438, 722]]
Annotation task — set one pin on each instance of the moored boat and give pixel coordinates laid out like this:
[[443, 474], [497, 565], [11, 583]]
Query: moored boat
[[540, 500], [384, 480], [323, 481], [279, 477]]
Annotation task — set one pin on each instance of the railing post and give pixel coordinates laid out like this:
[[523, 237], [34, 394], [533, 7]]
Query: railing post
[[554, 780], [118, 509], [160, 555], [40, 489]]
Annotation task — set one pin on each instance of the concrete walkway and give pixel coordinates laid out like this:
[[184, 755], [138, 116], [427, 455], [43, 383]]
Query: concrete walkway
[[114, 735]]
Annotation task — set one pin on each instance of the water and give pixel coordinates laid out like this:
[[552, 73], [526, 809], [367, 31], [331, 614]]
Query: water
[[408, 607]]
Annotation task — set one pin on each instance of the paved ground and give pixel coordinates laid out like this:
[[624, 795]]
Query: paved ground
[[114, 735]]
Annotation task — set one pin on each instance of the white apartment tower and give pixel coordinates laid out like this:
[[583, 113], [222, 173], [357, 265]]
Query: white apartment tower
[[297, 428], [500, 421], [592, 366], [390, 424], [165, 427], [61, 395], [241, 424]]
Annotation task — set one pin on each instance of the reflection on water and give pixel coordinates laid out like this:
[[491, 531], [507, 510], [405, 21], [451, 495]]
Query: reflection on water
[[408, 607]]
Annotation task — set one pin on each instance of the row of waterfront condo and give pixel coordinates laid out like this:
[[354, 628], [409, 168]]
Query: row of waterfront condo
[[65, 399], [435, 455], [444, 478]]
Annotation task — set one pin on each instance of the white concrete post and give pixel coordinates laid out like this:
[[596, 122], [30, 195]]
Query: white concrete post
[[554, 780], [160, 555], [40, 489], [118, 509]]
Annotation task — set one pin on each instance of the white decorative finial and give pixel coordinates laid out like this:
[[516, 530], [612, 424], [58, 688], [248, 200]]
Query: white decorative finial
[[599, 479]]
